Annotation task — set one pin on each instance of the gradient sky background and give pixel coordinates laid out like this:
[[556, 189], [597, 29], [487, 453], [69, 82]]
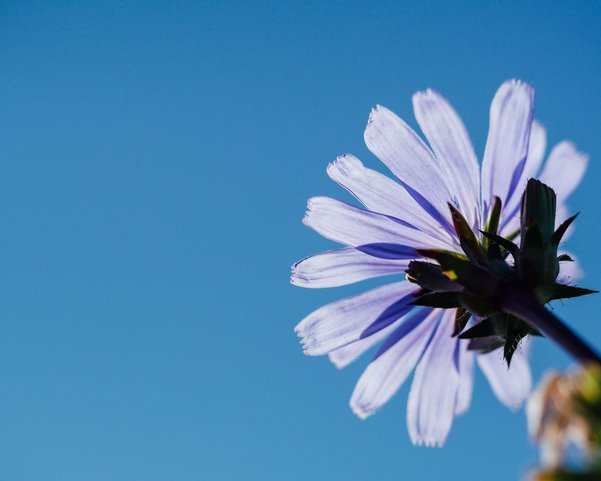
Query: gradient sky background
[[155, 160]]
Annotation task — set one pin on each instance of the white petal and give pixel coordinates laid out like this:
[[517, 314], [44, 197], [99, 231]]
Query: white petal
[[466, 378], [507, 142], [356, 227], [381, 194], [511, 386], [387, 372], [406, 155], [343, 266], [453, 148], [342, 322], [564, 169], [433, 394]]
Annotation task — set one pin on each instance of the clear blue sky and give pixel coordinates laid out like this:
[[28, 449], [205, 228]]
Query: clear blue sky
[[155, 160]]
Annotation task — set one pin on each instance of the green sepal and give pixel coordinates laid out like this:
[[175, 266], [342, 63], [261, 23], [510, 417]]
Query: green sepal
[[516, 331], [491, 326], [509, 246], [470, 245], [455, 266], [430, 277], [442, 300], [462, 316], [561, 230], [492, 224], [484, 345], [537, 259], [538, 207], [562, 291]]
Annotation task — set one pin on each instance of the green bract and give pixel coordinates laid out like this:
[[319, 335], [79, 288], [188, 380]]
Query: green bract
[[480, 281]]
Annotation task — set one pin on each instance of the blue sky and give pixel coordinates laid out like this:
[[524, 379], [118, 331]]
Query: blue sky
[[155, 160]]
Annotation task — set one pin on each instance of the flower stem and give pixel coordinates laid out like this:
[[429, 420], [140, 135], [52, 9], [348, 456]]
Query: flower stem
[[527, 308]]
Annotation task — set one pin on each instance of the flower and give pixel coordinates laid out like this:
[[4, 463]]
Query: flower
[[410, 213], [564, 411]]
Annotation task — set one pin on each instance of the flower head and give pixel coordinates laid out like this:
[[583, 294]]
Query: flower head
[[402, 219]]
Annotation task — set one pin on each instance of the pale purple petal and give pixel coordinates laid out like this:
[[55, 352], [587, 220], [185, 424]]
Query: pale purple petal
[[406, 155], [536, 150], [564, 169], [356, 227], [507, 142], [569, 272], [534, 160], [342, 322], [466, 377], [510, 385], [387, 372], [433, 394], [511, 226], [343, 266], [453, 148], [343, 356], [381, 194]]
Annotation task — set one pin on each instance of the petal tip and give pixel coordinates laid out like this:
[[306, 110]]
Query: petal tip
[[429, 442], [338, 363], [360, 411], [517, 85], [425, 94], [346, 164]]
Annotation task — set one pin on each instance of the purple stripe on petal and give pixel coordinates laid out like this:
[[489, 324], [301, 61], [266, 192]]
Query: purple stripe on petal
[[389, 315], [515, 179], [405, 328], [386, 250], [534, 159], [340, 323], [387, 372], [409, 158], [430, 209], [451, 144], [346, 224], [381, 194], [507, 142], [343, 356]]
